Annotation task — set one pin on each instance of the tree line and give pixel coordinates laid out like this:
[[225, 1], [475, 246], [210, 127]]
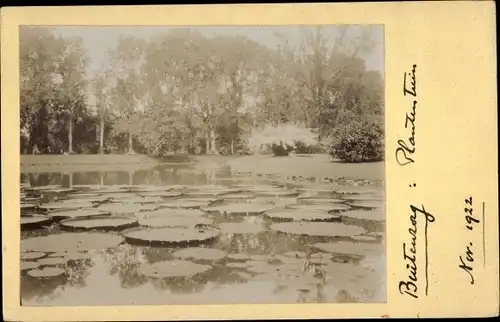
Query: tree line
[[184, 92]]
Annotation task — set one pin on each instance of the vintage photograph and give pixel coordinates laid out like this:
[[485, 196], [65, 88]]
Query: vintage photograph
[[202, 165]]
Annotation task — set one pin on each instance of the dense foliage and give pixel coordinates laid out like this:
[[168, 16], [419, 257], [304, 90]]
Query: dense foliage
[[184, 92]]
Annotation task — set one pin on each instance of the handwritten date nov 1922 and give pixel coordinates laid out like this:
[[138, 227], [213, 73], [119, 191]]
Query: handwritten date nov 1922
[[406, 148], [411, 285], [467, 259]]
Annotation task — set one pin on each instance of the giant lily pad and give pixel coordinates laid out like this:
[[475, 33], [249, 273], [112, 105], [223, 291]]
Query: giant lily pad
[[183, 204], [319, 207], [28, 206], [89, 198], [347, 248], [301, 215], [149, 188], [161, 194], [47, 272], [320, 200], [174, 212], [121, 208], [367, 196], [326, 229], [42, 188], [237, 196], [138, 200], [34, 222], [71, 242], [32, 255], [24, 266], [241, 228], [79, 213], [51, 261], [276, 193], [109, 189], [174, 221], [105, 223], [369, 204], [199, 253], [173, 268], [356, 190], [238, 256], [237, 265], [373, 215], [170, 236], [239, 209], [66, 205], [205, 200]]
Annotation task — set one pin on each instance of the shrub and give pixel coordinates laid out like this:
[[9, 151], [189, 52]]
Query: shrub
[[358, 141], [281, 139]]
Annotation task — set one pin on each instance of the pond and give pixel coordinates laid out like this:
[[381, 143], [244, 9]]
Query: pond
[[173, 235]]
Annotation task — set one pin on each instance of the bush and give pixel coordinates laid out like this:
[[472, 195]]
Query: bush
[[281, 140], [358, 141]]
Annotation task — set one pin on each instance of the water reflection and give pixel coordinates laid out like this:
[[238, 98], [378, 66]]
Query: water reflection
[[113, 277]]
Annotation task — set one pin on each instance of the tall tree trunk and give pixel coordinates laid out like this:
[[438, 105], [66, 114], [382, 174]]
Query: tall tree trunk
[[130, 148], [207, 143], [232, 146], [101, 177], [212, 142], [130, 178], [70, 134], [101, 137]]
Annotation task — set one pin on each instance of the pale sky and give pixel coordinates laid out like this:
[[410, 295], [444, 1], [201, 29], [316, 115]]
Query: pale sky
[[100, 39]]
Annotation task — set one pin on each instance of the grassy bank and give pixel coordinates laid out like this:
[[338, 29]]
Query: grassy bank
[[316, 165]]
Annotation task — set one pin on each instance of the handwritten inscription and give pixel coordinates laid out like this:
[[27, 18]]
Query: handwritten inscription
[[410, 286], [467, 259], [406, 148]]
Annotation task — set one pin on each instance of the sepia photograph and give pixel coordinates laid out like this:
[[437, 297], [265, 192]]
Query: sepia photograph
[[200, 165]]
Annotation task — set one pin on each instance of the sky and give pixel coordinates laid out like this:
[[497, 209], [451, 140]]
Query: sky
[[98, 40]]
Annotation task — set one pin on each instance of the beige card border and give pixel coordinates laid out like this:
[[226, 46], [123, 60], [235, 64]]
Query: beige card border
[[453, 45]]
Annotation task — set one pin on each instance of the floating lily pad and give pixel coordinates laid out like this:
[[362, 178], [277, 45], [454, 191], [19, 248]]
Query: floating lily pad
[[356, 190], [198, 253], [239, 196], [237, 265], [183, 204], [312, 207], [276, 193], [42, 188], [373, 215], [320, 200], [238, 257], [173, 268], [105, 223], [32, 255], [301, 215], [348, 248], [24, 266], [370, 204], [138, 200], [71, 242], [46, 272], [66, 205], [174, 221], [79, 213], [89, 198], [364, 238], [28, 206], [239, 209], [170, 236], [241, 228], [51, 261], [326, 229], [149, 188], [366, 196], [120, 208], [174, 212], [161, 194], [205, 200], [56, 191], [35, 221]]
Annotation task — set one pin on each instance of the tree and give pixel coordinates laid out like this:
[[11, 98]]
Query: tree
[[129, 93], [101, 89]]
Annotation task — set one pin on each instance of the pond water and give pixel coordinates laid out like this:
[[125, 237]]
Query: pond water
[[173, 235]]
